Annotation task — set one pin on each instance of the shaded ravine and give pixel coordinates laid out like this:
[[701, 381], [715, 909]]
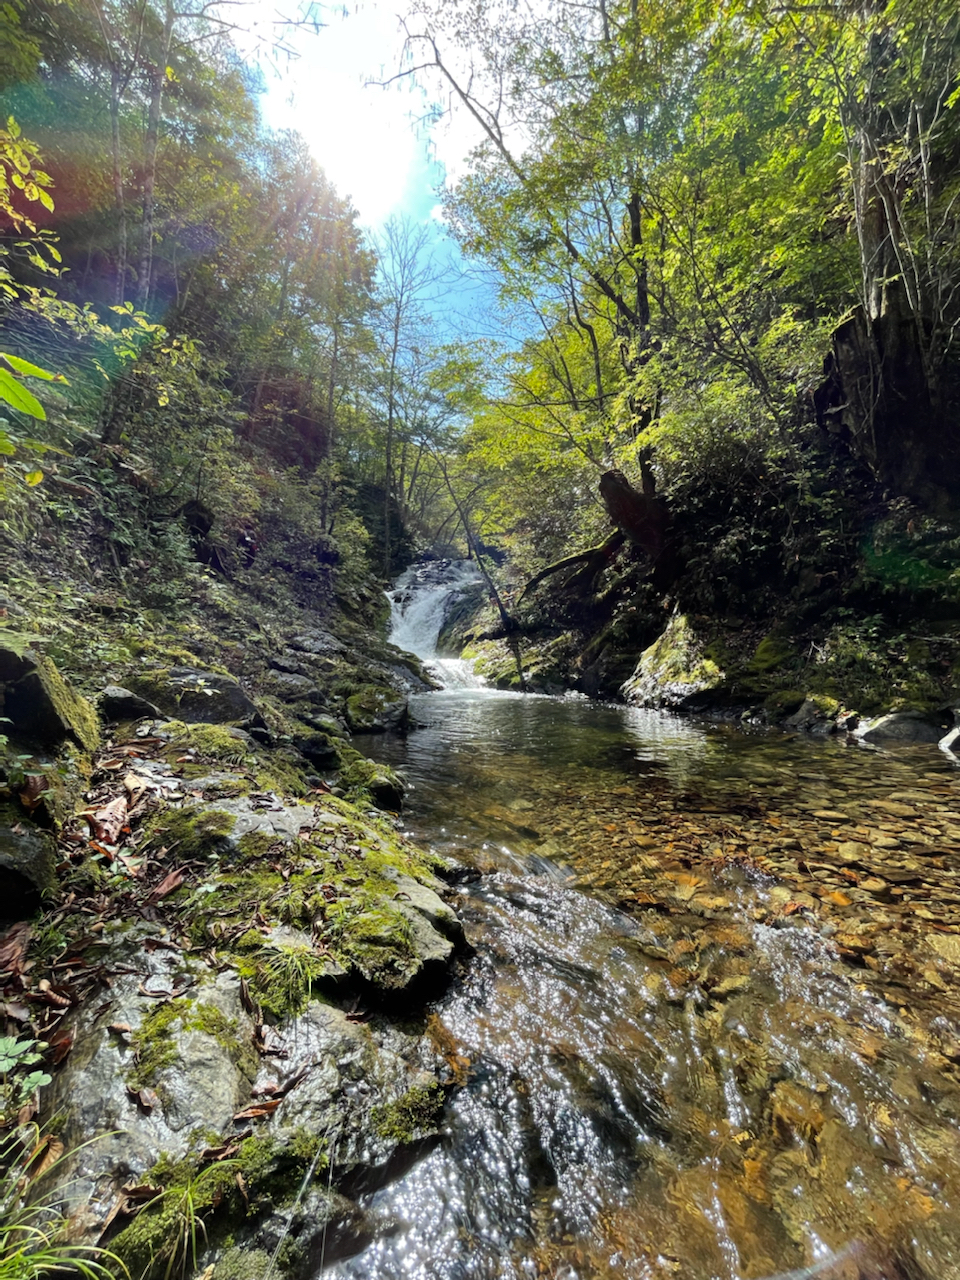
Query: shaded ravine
[[667, 1063]]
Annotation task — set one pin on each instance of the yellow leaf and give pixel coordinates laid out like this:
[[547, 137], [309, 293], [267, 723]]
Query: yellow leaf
[[33, 478]]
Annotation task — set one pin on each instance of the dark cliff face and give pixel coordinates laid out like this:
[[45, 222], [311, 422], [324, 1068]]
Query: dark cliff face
[[896, 413]]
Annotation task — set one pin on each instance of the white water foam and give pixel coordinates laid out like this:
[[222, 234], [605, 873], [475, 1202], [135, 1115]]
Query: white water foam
[[420, 603]]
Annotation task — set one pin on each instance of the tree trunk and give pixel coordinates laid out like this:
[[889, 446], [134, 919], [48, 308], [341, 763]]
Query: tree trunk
[[120, 285], [158, 79]]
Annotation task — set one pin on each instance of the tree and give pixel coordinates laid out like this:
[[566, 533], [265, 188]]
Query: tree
[[408, 280]]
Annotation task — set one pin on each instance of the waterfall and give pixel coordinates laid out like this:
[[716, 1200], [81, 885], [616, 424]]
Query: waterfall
[[420, 602]]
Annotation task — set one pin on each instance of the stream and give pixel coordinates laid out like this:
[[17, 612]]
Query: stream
[[711, 1027]]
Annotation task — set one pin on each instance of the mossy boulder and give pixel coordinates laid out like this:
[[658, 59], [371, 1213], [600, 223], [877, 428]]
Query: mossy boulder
[[772, 653], [906, 727], [200, 697], [817, 714], [376, 709], [219, 742], [42, 709], [680, 670], [493, 662], [368, 779]]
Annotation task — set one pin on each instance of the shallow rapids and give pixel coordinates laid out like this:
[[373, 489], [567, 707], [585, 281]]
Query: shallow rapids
[[711, 1028]]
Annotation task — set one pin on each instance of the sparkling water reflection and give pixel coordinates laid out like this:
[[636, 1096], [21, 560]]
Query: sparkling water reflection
[[681, 1075]]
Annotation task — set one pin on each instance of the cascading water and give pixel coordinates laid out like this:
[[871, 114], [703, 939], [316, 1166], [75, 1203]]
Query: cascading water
[[421, 602]]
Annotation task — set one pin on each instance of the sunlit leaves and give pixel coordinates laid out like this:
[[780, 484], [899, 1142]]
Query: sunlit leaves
[[16, 394]]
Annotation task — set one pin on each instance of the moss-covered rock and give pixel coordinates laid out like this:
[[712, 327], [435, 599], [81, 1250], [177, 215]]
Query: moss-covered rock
[[221, 743], [202, 697], [773, 652], [682, 669], [368, 780], [28, 866], [376, 709], [41, 708]]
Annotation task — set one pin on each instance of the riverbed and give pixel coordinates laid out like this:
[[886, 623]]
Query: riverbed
[[711, 1028]]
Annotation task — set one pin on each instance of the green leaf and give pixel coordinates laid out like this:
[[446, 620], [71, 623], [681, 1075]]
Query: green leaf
[[17, 395], [35, 1080], [28, 369]]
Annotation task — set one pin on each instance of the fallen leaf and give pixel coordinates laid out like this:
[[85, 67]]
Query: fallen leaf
[[146, 1099], [13, 1009], [261, 1109], [136, 786], [13, 947], [162, 994], [142, 1192], [61, 1042], [268, 1090], [31, 794], [45, 1154], [173, 880], [105, 823]]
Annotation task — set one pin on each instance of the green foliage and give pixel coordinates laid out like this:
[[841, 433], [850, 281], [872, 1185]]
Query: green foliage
[[284, 978], [19, 1084], [34, 1240]]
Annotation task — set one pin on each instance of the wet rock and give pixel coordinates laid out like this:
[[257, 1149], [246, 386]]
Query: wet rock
[[318, 749], [796, 1113], [117, 703], [196, 1076], [28, 866], [902, 726], [376, 710], [947, 946], [678, 670], [850, 851], [816, 715], [202, 697], [40, 706], [134, 1101], [291, 687], [318, 642], [384, 787], [287, 662], [323, 721]]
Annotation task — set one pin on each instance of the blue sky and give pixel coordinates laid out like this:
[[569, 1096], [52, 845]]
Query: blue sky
[[374, 142]]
